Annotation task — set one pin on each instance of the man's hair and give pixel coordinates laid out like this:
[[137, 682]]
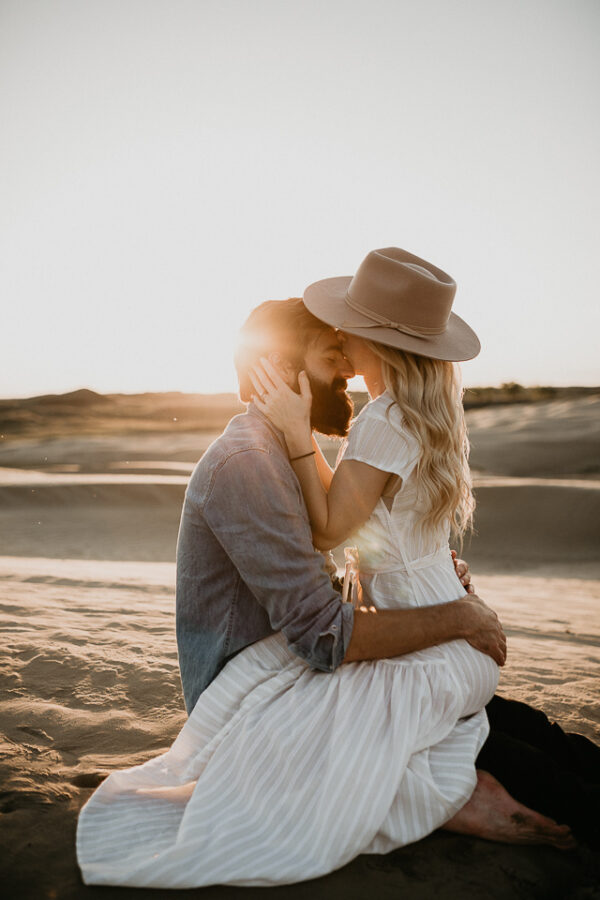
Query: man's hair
[[276, 326]]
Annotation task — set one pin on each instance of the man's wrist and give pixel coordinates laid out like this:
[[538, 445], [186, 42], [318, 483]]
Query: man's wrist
[[457, 621]]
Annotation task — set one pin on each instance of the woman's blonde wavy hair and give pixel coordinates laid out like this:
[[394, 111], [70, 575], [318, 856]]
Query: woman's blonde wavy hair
[[429, 394]]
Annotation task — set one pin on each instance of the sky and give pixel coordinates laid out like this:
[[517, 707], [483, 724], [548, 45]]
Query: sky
[[166, 165]]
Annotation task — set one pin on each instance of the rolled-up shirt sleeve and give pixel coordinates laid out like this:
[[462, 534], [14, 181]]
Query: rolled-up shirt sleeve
[[255, 509]]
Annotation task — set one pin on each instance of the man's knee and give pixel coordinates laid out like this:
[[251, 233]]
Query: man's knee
[[517, 718]]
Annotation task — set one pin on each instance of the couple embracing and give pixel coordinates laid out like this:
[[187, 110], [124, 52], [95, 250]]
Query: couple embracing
[[321, 728]]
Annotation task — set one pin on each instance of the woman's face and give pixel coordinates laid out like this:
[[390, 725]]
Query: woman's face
[[357, 352]]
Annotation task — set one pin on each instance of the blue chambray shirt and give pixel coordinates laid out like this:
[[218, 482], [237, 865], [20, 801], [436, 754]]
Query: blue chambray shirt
[[246, 566]]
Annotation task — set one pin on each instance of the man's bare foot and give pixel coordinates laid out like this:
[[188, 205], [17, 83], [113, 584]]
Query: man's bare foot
[[493, 814]]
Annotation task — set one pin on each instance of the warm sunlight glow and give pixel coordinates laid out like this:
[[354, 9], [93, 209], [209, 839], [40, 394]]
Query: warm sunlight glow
[[164, 172]]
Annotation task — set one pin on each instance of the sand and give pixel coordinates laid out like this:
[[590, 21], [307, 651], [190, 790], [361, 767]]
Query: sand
[[88, 664]]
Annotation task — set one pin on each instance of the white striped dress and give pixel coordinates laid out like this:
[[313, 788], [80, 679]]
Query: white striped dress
[[283, 773]]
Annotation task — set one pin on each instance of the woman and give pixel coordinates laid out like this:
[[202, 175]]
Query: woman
[[364, 759]]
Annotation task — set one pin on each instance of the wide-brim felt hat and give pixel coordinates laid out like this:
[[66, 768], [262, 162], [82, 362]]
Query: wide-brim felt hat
[[397, 299]]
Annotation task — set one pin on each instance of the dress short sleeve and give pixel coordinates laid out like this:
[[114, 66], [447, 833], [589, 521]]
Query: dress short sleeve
[[379, 438]]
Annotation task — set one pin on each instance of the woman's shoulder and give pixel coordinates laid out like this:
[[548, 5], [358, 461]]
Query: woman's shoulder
[[382, 409], [379, 437]]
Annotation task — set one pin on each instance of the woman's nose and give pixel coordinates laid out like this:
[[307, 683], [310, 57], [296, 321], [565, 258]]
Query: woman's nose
[[347, 369]]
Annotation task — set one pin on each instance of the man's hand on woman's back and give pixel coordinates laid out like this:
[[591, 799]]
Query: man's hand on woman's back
[[462, 572]]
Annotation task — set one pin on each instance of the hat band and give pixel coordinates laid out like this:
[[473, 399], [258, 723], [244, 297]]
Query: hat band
[[381, 321]]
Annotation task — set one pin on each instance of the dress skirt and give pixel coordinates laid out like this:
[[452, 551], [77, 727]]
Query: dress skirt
[[283, 773]]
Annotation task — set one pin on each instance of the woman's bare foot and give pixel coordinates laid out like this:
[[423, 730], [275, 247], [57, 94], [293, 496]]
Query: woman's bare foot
[[493, 814]]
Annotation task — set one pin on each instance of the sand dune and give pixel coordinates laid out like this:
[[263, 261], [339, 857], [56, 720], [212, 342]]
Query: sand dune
[[529, 525], [538, 439], [520, 523], [88, 666]]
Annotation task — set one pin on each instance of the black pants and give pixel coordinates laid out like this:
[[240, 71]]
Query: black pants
[[553, 772]]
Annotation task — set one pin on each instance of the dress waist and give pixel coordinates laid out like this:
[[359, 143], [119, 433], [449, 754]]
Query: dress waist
[[407, 566]]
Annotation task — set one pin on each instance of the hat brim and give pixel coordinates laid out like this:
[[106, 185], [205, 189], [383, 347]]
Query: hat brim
[[326, 299]]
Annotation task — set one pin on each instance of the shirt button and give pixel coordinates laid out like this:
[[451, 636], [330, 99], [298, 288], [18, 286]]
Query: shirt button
[[334, 627]]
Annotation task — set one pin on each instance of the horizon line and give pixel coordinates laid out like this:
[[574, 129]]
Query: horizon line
[[510, 386]]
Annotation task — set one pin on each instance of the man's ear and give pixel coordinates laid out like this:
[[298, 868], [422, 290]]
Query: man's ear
[[284, 367]]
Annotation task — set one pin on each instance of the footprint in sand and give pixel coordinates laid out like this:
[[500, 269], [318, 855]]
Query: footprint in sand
[[88, 779], [36, 732]]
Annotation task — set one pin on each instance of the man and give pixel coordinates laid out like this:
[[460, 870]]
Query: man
[[246, 566]]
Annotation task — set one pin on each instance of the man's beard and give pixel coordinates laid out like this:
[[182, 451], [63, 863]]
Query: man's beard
[[332, 408]]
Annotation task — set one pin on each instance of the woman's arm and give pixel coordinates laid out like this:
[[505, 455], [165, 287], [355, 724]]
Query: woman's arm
[[336, 514], [324, 469], [335, 511]]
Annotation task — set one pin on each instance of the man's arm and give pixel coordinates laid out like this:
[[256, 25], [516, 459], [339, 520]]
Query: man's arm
[[379, 634], [256, 512]]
